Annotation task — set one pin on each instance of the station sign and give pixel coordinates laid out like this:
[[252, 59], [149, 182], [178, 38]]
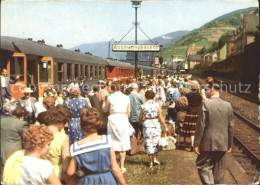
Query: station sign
[[135, 47]]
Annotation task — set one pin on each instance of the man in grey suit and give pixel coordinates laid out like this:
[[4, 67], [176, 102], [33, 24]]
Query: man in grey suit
[[5, 85], [213, 136]]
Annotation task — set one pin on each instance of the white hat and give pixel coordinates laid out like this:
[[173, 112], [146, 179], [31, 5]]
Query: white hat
[[134, 85], [27, 90], [101, 82]]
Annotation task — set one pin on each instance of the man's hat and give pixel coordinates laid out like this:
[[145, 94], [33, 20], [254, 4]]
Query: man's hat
[[27, 90], [134, 85]]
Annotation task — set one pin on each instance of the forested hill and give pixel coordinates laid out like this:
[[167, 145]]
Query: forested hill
[[208, 34]]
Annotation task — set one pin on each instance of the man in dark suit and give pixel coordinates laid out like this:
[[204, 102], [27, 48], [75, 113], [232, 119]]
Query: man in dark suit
[[28, 103], [213, 136], [5, 85]]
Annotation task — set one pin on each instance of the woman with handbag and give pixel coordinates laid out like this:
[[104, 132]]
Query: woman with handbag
[[152, 113], [118, 104]]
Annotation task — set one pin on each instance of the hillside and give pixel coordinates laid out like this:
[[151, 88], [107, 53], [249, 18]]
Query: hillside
[[207, 34], [101, 48]]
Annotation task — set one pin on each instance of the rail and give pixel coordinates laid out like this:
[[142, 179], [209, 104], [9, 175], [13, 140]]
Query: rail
[[254, 159], [249, 123]]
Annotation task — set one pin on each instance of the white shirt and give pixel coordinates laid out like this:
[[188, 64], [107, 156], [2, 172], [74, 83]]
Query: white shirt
[[28, 105], [34, 171], [2, 81]]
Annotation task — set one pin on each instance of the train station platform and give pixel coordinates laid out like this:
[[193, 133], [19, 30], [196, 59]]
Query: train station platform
[[178, 167]]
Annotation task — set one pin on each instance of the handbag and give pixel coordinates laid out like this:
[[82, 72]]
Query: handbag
[[172, 105], [167, 142], [131, 130]]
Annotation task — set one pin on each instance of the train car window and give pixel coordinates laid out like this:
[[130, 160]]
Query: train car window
[[69, 72], [96, 71], [76, 71], [86, 71], [45, 71], [81, 71], [99, 72], [17, 67], [91, 72], [60, 71], [103, 72]]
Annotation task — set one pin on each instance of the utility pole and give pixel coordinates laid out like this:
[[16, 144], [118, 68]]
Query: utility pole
[[136, 4]]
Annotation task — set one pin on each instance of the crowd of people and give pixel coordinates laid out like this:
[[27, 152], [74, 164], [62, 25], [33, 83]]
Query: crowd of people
[[84, 137]]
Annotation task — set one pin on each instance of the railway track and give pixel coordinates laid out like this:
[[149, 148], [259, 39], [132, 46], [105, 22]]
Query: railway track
[[238, 91], [247, 145]]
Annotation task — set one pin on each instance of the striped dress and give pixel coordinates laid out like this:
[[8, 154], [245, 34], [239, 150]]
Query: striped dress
[[189, 127]]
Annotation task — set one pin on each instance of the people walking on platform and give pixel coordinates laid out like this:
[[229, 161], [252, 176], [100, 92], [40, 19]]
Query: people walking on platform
[[181, 105], [28, 103], [58, 154], [137, 140], [5, 86], [12, 125], [213, 136], [128, 88], [173, 93], [27, 166], [94, 153], [152, 114], [194, 102], [75, 104], [142, 89], [153, 85], [102, 96], [209, 80], [160, 96], [118, 104], [82, 87], [97, 103]]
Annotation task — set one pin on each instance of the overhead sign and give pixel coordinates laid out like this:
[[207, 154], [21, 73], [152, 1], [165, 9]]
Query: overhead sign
[[135, 47]]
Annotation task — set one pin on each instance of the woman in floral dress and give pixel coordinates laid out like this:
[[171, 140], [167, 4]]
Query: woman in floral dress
[[75, 104], [152, 113]]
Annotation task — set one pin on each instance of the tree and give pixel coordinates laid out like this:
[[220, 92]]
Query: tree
[[222, 40], [202, 51]]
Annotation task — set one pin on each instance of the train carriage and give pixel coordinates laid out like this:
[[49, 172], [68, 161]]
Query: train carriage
[[42, 66], [119, 70]]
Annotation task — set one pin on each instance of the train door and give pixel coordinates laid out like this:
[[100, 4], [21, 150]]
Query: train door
[[31, 73], [45, 74], [17, 66]]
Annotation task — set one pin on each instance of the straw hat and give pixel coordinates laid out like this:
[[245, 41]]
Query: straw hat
[[27, 90]]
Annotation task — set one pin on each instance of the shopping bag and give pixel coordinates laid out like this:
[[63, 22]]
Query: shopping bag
[[131, 130], [167, 142]]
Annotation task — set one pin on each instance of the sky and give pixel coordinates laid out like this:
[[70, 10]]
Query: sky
[[75, 22]]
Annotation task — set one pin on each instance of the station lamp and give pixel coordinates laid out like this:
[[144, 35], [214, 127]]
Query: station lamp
[[136, 3]]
